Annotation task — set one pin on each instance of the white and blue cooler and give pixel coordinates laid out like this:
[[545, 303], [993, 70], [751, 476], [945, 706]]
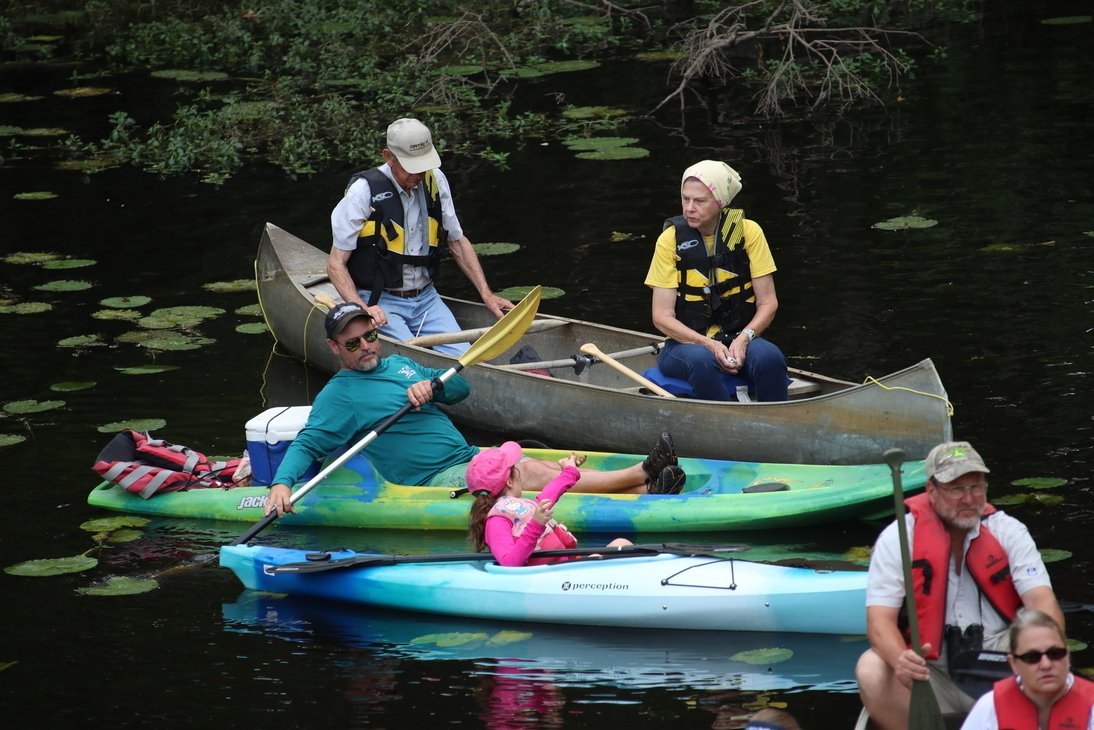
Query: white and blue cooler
[[268, 437]]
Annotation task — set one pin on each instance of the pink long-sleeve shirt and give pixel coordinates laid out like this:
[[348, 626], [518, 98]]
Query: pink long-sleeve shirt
[[514, 551]]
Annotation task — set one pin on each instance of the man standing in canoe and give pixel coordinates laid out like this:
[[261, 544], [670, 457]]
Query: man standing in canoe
[[422, 448], [973, 568], [713, 291], [389, 231]]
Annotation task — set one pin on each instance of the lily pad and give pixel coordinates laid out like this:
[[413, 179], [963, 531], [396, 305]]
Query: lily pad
[[763, 656], [598, 143], [54, 566], [504, 638], [904, 222], [231, 286], [515, 293], [529, 72], [1008, 500], [135, 336], [187, 315], [23, 257], [160, 323], [125, 302], [661, 55], [106, 524], [116, 314], [180, 75], [44, 38], [46, 132], [39, 195], [175, 343], [251, 310], [460, 70], [589, 112], [455, 638], [70, 385], [25, 308], [1075, 645], [1040, 482], [64, 285], [10, 439], [121, 586], [117, 536], [82, 91], [494, 249], [1048, 500], [615, 153], [147, 369], [1052, 555], [136, 424], [12, 97], [252, 328], [91, 164], [81, 341], [32, 406], [1068, 20], [565, 66], [1003, 247], [69, 264]]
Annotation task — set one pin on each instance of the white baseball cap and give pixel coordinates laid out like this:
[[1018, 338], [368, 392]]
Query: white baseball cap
[[410, 141]]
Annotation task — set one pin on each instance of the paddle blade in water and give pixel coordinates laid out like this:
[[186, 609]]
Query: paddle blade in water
[[923, 713]]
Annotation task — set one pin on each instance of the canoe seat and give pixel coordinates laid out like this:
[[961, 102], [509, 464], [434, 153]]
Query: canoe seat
[[743, 389]]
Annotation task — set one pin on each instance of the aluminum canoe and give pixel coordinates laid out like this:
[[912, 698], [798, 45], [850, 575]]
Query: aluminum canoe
[[718, 496], [827, 421], [659, 591]]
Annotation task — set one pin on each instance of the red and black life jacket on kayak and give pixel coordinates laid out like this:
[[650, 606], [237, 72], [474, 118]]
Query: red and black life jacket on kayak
[[146, 466], [986, 561], [1016, 711]]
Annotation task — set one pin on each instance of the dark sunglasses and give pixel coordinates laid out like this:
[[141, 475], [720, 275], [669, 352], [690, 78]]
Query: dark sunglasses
[[1056, 653], [355, 344]]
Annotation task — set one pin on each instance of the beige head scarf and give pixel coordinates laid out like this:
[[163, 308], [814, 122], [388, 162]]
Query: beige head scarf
[[720, 178]]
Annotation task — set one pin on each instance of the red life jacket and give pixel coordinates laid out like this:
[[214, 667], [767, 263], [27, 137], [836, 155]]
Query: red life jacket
[[1015, 711], [146, 466], [986, 561]]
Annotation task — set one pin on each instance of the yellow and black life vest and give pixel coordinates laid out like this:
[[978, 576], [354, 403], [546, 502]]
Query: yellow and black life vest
[[377, 262], [714, 289]]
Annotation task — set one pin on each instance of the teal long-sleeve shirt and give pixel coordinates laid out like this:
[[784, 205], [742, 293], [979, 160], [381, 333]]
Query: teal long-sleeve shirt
[[413, 450]]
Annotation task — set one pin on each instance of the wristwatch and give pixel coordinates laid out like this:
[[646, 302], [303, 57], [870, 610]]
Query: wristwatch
[[751, 333]]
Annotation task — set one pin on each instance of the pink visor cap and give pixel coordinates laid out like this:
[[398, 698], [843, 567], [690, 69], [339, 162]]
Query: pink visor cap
[[488, 472]]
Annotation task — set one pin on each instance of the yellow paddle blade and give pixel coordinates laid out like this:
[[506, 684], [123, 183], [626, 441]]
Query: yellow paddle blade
[[506, 332]]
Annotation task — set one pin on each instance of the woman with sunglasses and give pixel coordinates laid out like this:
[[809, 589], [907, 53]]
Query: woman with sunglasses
[[1044, 694]]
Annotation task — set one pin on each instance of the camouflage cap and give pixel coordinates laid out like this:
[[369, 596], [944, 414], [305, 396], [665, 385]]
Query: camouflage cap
[[948, 461]]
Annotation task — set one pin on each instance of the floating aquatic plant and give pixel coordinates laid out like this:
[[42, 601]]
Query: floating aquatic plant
[[71, 385], [598, 143], [615, 153], [905, 222], [32, 406], [106, 524], [121, 586], [460, 70], [763, 656], [64, 285], [519, 292], [181, 342], [661, 56], [82, 91], [92, 164], [13, 97], [455, 638], [8, 131], [38, 195], [136, 424], [69, 264], [589, 112], [250, 310], [504, 638], [25, 308], [1075, 645], [494, 249], [81, 341], [1068, 20], [45, 132], [23, 257], [1040, 482], [180, 75], [566, 66], [135, 336], [146, 369], [621, 236], [116, 314], [10, 439], [125, 302], [252, 328], [1051, 555], [231, 286], [54, 566]]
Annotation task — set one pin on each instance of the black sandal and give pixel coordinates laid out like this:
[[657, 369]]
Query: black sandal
[[663, 455], [671, 480]]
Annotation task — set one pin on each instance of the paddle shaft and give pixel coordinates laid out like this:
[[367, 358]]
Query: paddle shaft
[[572, 362], [447, 338], [591, 349]]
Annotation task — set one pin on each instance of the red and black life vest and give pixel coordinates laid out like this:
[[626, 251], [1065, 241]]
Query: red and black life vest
[[146, 466], [1015, 711], [986, 561]]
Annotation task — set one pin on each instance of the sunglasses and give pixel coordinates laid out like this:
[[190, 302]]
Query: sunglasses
[[1056, 653], [355, 344]]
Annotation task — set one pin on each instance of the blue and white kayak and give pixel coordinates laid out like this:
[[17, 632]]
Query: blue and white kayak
[[644, 590]]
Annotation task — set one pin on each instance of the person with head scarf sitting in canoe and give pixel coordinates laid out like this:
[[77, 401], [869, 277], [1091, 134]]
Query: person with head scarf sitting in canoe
[[423, 448], [713, 292], [1044, 693], [973, 567], [390, 231], [506, 522]]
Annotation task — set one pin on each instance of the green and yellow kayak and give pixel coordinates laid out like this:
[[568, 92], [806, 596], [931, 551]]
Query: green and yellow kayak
[[719, 496]]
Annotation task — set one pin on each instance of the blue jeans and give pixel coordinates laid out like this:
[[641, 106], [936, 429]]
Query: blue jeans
[[423, 315], [765, 367]]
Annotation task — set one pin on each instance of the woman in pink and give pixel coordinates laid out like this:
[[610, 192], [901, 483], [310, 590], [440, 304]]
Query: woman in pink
[[509, 524]]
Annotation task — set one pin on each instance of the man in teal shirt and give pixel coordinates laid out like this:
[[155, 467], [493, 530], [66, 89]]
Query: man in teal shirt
[[423, 443]]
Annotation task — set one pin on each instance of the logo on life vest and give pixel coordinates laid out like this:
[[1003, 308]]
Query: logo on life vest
[[568, 586], [686, 245], [382, 196], [251, 502], [992, 561], [1069, 722]]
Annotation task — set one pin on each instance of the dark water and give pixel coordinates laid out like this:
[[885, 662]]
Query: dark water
[[994, 144]]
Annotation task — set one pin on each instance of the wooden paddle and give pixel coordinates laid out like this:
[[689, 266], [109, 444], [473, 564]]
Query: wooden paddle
[[323, 562], [591, 349], [923, 711], [503, 335]]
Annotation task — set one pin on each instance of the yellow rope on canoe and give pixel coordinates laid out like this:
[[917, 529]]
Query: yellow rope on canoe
[[875, 381]]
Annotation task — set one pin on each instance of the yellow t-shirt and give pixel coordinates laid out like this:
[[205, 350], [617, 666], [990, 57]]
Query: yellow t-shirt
[[664, 275]]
